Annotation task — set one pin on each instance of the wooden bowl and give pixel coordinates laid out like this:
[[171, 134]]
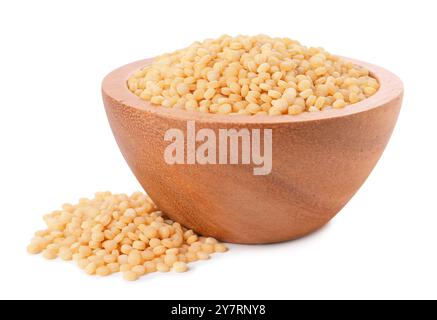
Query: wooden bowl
[[319, 161]]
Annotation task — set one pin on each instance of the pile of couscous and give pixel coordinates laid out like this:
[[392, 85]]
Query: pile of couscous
[[252, 76], [118, 233]]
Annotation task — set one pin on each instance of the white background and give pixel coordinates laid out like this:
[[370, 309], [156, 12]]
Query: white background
[[56, 145]]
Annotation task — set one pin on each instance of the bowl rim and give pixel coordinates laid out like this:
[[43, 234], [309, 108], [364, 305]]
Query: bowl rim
[[114, 86]]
